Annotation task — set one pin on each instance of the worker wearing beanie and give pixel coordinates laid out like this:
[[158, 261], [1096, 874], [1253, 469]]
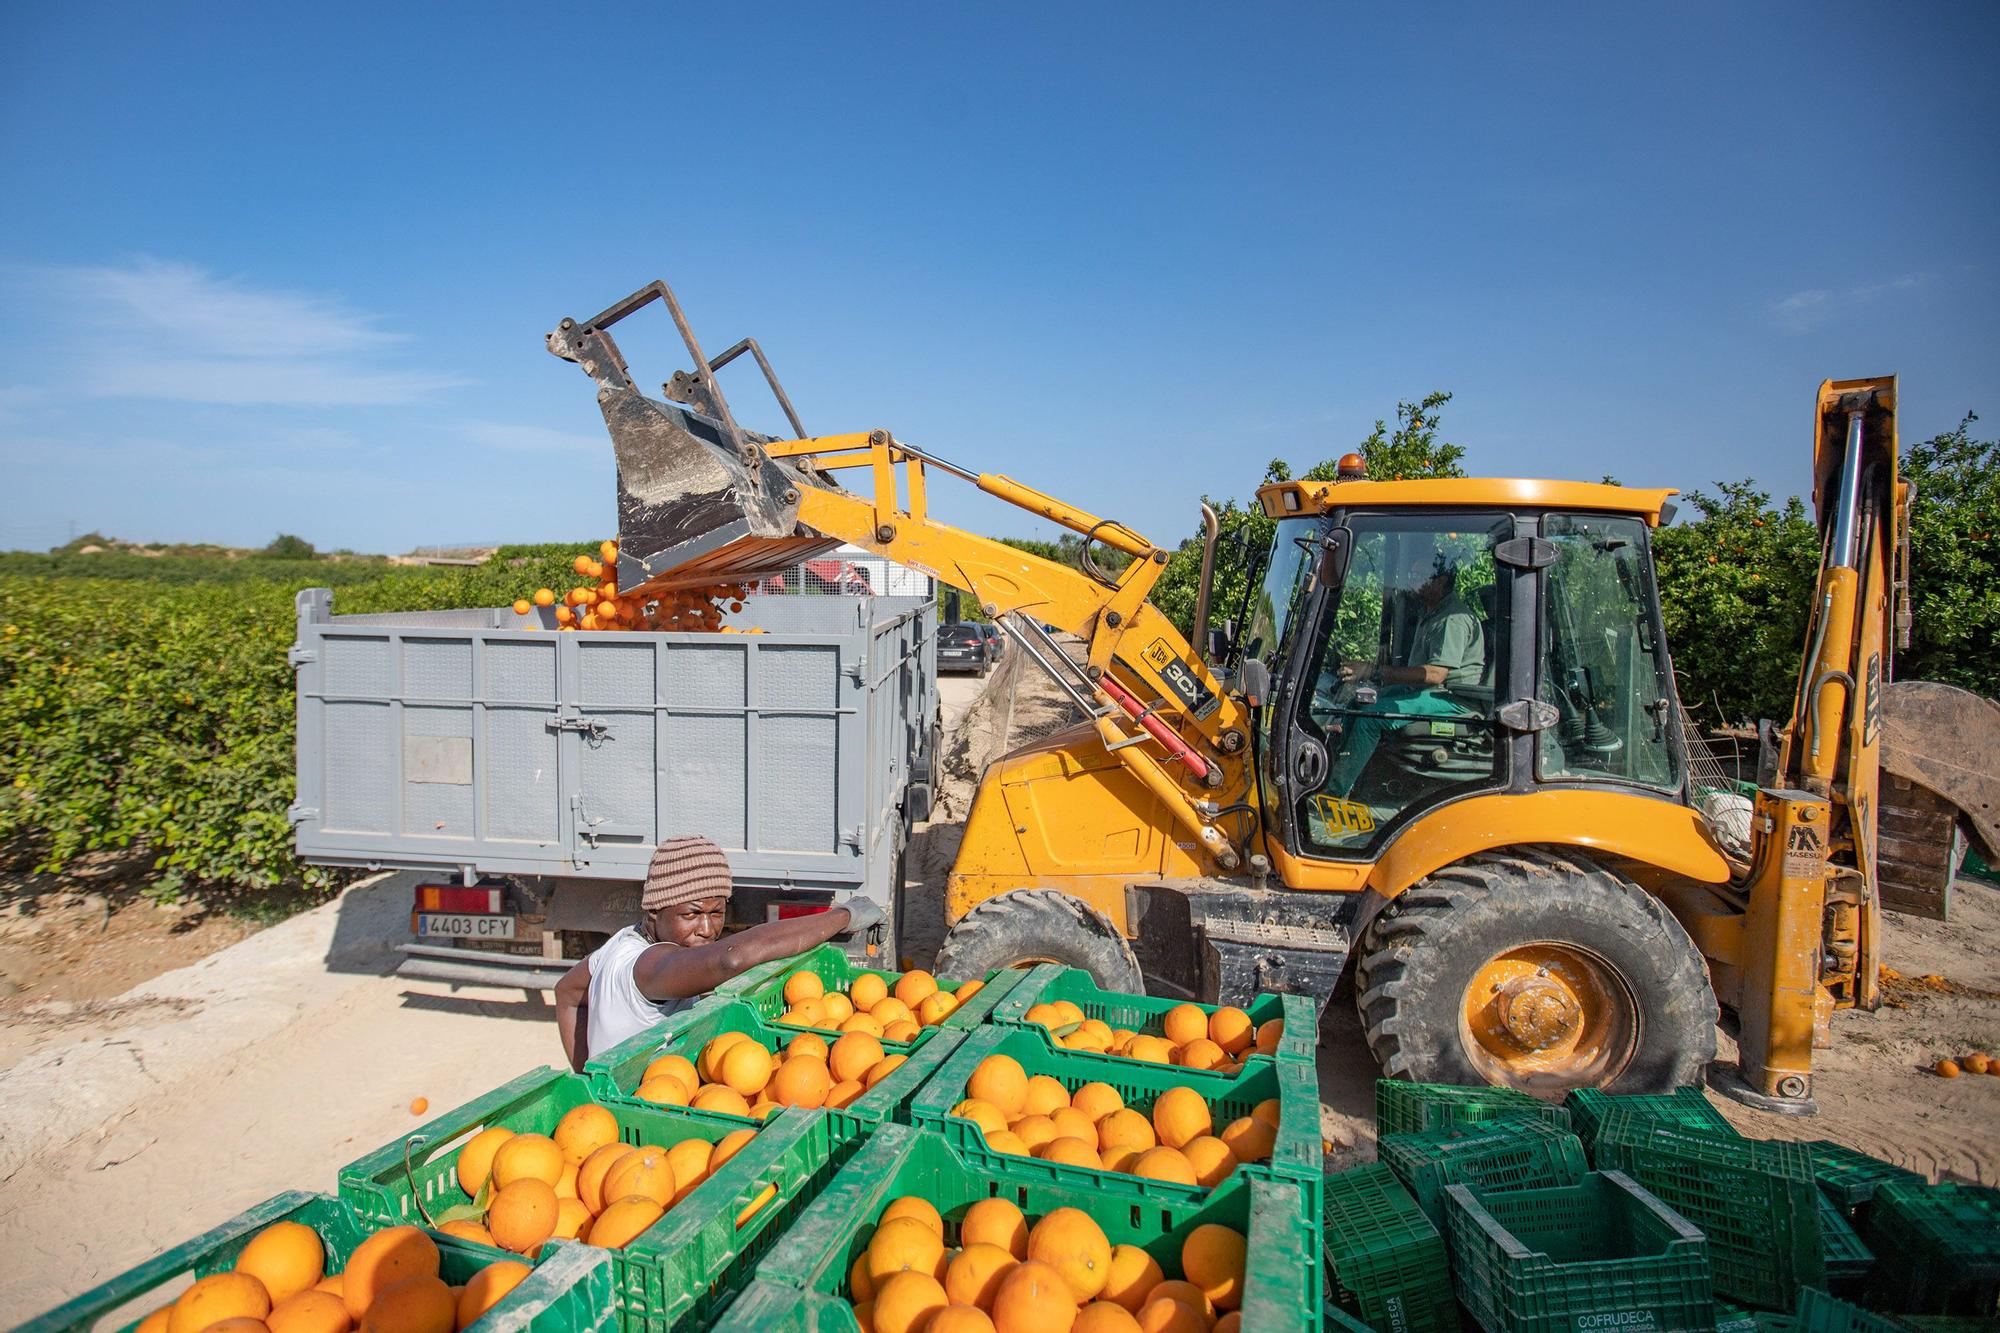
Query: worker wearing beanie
[[676, 953]]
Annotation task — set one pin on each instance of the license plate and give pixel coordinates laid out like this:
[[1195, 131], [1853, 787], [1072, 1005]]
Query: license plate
[[465, 925]]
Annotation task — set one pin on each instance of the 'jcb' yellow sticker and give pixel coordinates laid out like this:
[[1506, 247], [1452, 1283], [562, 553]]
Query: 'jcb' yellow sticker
[[1159, 653], [1343, 815]]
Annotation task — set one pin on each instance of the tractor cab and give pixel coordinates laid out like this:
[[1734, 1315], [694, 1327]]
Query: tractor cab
[[1431, 640]]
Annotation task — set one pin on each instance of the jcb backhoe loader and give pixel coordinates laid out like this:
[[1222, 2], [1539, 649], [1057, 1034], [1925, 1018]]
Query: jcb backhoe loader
[[1442, 740]]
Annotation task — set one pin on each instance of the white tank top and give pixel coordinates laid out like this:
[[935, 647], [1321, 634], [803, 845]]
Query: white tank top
[[617, 1009]]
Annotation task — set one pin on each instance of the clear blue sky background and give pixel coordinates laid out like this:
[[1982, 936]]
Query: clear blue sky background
[[287, 267]]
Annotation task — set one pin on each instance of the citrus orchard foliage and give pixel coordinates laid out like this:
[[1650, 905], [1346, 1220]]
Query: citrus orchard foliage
[[146, 707]]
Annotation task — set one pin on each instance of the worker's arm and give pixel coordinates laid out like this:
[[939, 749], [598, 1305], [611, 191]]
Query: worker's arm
[[671, 972], [573, 1013]]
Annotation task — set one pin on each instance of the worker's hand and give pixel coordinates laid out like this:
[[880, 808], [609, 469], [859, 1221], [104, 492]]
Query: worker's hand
[[863, 914], [1356, 670]]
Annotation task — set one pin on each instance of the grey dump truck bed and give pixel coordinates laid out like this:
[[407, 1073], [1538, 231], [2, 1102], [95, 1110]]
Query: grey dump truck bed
[[546, 765]]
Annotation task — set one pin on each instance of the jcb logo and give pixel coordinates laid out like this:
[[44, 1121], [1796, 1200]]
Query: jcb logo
[[1344, 816]]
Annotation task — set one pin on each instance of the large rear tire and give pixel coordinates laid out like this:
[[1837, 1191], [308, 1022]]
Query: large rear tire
[[1028, 926], [1538, 969]]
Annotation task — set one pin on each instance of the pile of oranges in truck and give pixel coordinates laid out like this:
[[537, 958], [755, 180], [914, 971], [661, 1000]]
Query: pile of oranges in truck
[[597, 603]]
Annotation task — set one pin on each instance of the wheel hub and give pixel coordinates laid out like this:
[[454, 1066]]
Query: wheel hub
[[1537, 1014], [1548, 1016]]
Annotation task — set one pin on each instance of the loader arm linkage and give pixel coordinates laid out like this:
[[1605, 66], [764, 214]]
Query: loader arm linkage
[[703, 502]]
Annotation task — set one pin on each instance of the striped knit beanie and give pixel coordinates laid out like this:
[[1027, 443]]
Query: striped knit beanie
[[685, 870]]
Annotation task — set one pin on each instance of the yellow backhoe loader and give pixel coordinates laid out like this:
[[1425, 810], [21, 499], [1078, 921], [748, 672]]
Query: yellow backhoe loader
[[1441, 742]]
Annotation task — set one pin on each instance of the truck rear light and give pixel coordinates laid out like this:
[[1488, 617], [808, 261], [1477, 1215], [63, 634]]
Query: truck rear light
[[455, 898], [786, 911]]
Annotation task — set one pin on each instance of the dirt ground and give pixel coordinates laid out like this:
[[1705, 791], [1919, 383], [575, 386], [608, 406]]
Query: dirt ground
[[154, 1082]]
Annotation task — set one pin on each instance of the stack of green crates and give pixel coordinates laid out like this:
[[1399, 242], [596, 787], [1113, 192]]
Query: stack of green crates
[[1385, 1261], [1491, 1155], [1938, 1248], [803, 1283], [1686, 1109], [1406, 1108], [570, 1290], [685, 1266]]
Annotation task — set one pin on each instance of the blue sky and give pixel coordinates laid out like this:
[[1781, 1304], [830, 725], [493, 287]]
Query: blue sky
[[288, 267]]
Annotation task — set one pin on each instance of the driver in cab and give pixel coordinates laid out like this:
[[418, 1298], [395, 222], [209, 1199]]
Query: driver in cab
[[1446, 649]]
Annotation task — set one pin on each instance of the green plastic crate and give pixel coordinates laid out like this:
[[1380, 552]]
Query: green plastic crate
[[570, 1290], [1819, 1312], [1402, 1107], [1937, 1248], [1600, 1254], [1950, 1323], [1685, 1109], [763, 989], [1046, 983], [1492, 1155], [1385, 1261], [614, 1076], [1756, 1201], [1847, 1260], [677, 1272], [802, 1282], [1295, 1156], [1850, 1177], [1731, 1319]]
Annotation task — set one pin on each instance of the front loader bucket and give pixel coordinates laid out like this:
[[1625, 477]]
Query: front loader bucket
[[700, 502]]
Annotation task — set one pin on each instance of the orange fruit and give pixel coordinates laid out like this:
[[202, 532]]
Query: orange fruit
[[475, 1159], [807, 1043], [1033, 1298], [912, 1206], [1071, 1123], [522, 606], [1978, 1063], [571, 1219], [1201, 1053], [590, 1176], [156, 1322], [935, 1008], [1153, 1050], [240, 1324], [1180, 1116], [1034, 1130], [891, 1010], [287, 1257], [1067, 1011], [708, 1065], [1047, 1015], [1164, 1163], [523, 1215], [967, 989], [904, 1245], [1070, 1152], [664, 1090], [464, 1229], [622, 1221], [527, 1157], [1093, 1035], [1001, 1083], [1009, 1142], [867, 991], [903, 1029], [1269, 1033], [1125, 1128], [726, 1147], [886, 1067], [414, 1305], [607, 551], [1231, 1029], [1213, 1256], [1043, 1095], [1947, 1068], [981, 1113], [545, 597], [1211, 1160], [582, 565], [801, 1081], [809, 1014], [222, 1296], [745, 1067], [1070, 1241], [388, 1256], [1096, 1100], [333, 1283], [1250, 1139], [960, 1319], [860, 1283], [583, 1130], [867, 1023], [566, 1187], [1104, 1317], [690, 1162], [1229, 1323], [853, 1055], [843, 1093], [864, 1316], [1184, 1023], [1134, 1274], [646, 1172], [914, 986], [995, 1222], [974, 1275], [906, 1302], [1119, 1160], [1266, 1111], [484, 1289], [308, 1312], [837, 1006], [1164, 1314], [719, 1097], [803, 985]]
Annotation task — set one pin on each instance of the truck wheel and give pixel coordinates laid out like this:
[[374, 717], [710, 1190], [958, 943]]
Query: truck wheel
[[1029, 926], [1535, 969]]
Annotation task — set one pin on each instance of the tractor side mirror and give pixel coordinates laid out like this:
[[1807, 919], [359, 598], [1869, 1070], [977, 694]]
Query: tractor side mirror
[[1253, 682], [1221, 639], [1334, 550]]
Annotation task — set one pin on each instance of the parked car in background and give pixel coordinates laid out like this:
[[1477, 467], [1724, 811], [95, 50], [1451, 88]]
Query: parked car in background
[[963, 648], [996, 642]]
